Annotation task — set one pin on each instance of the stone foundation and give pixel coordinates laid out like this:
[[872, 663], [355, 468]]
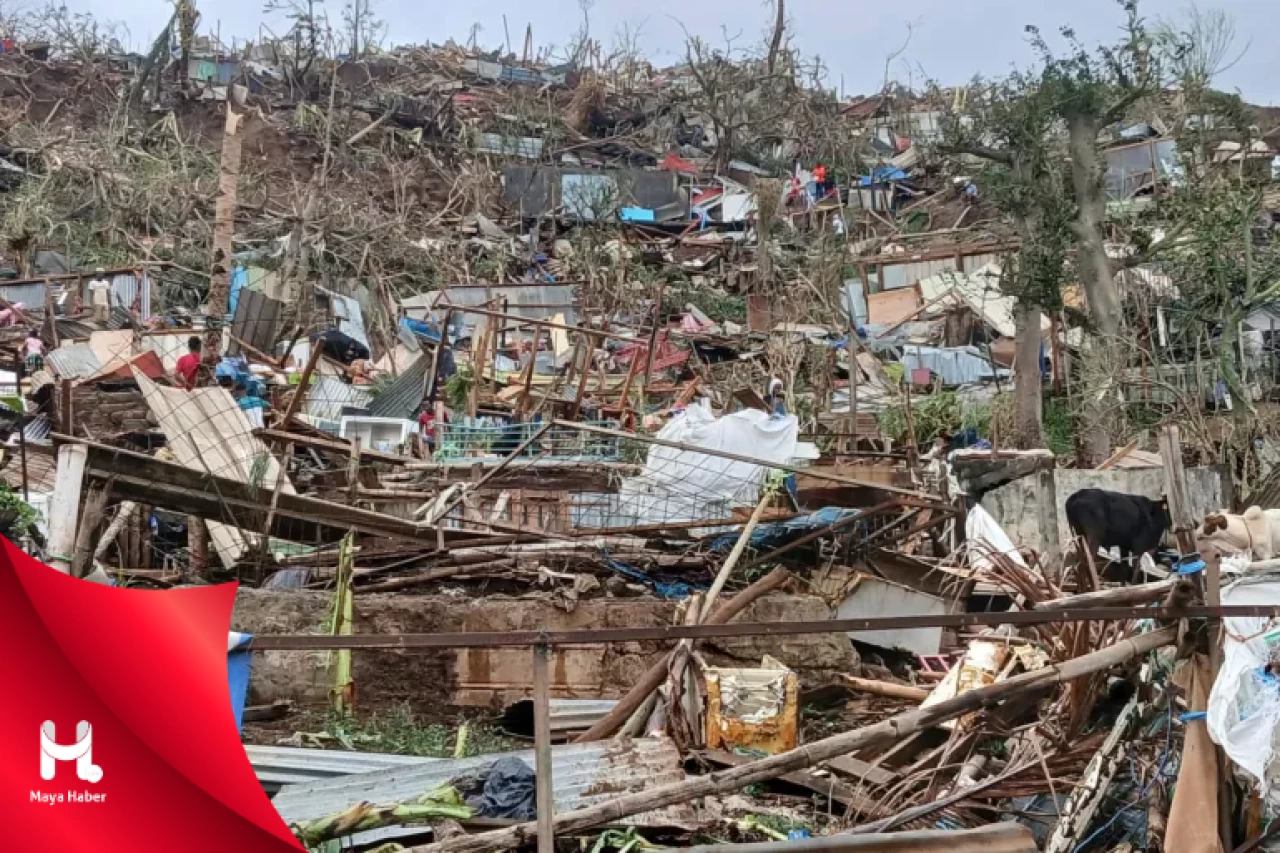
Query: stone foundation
[[432, 678]]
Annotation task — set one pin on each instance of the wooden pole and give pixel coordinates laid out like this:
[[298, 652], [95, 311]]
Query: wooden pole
[[295, 403], [887, 688], [64, 508], [1175, 487], [544, 790], [591, 343], [353, 470], [224, 225], [886, 731], [653, 346]]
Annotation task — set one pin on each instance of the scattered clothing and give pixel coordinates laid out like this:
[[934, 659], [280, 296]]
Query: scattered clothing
[[507, 791]]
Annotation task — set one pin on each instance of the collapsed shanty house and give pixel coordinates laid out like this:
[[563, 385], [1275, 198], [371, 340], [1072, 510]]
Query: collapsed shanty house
[[600, 465]]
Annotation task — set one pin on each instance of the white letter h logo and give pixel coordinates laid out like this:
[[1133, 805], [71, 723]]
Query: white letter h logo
[[81, 752]]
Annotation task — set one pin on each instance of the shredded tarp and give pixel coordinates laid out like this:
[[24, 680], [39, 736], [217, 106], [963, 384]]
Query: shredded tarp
[[775, 534], [663, 589], [685, 485], [984, 532], [507, 791]]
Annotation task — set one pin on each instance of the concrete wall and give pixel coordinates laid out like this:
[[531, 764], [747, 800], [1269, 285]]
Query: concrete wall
[[1028, 509], [1023, 507], [105, 413], [1208, 489], [493, 677]]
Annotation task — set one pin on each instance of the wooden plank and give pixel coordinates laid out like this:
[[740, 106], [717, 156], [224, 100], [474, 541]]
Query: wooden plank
[[860, 770], [892, 306], [827, 787]]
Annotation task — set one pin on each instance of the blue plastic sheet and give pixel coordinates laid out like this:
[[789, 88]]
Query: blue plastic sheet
[[238, 666], [423, 329], [778, 533], [664, 589]]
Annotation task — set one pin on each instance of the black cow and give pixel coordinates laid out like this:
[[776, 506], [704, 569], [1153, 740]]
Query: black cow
[[1132, 523]]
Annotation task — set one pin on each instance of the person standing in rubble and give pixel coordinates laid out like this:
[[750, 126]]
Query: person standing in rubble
[[100, 295], [819, 182], [188, 367], [34, 352]]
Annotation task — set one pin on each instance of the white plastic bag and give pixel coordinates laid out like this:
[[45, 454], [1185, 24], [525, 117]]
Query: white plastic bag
[[1244, 706]]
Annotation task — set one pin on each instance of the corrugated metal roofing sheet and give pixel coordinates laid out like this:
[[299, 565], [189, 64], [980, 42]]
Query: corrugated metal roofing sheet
[[74, 360], [583, 774], [542, 302], [327, 396], [528, 147], [277, 766], [402, 396]]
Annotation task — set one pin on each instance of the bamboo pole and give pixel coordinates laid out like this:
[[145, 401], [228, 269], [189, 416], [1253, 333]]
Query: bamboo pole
[[1121, 595], [886, 731], [295, 402]]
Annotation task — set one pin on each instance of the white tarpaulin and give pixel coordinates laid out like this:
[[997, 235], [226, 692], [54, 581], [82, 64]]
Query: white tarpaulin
[[1244, 707], [983, 533], [684, 485]]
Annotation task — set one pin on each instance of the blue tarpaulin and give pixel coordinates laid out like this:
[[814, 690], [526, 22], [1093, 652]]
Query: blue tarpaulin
[[238, 659], [423, 329], [778, 533], [883, 175], [664, 589]]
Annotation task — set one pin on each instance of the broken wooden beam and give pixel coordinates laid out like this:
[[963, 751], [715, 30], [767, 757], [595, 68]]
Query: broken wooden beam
[[1134, 594], [833, 789], [887, 688], [147, 480]]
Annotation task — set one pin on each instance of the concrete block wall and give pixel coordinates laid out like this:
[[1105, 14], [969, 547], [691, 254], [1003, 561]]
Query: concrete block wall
[[1032, 510], [101, 413]]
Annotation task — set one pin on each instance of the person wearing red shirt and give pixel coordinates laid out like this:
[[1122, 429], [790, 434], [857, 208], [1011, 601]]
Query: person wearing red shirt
[[189, 365]]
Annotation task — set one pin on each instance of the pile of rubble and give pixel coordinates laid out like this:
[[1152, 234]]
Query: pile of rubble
[[448, 357]]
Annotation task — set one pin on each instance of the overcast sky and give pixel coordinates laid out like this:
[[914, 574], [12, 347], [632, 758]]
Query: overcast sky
[[951, 40]]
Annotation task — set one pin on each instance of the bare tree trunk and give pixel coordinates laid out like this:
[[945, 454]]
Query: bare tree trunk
[[779, 26], [1028, 398], [224, 227], [1107, 358]]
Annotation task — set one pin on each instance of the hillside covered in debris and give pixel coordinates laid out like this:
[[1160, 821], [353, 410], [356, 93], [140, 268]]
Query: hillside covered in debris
[[617, 457]]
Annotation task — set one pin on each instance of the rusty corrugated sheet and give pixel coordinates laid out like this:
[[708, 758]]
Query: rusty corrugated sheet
[[583, 774], [257, 318]]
